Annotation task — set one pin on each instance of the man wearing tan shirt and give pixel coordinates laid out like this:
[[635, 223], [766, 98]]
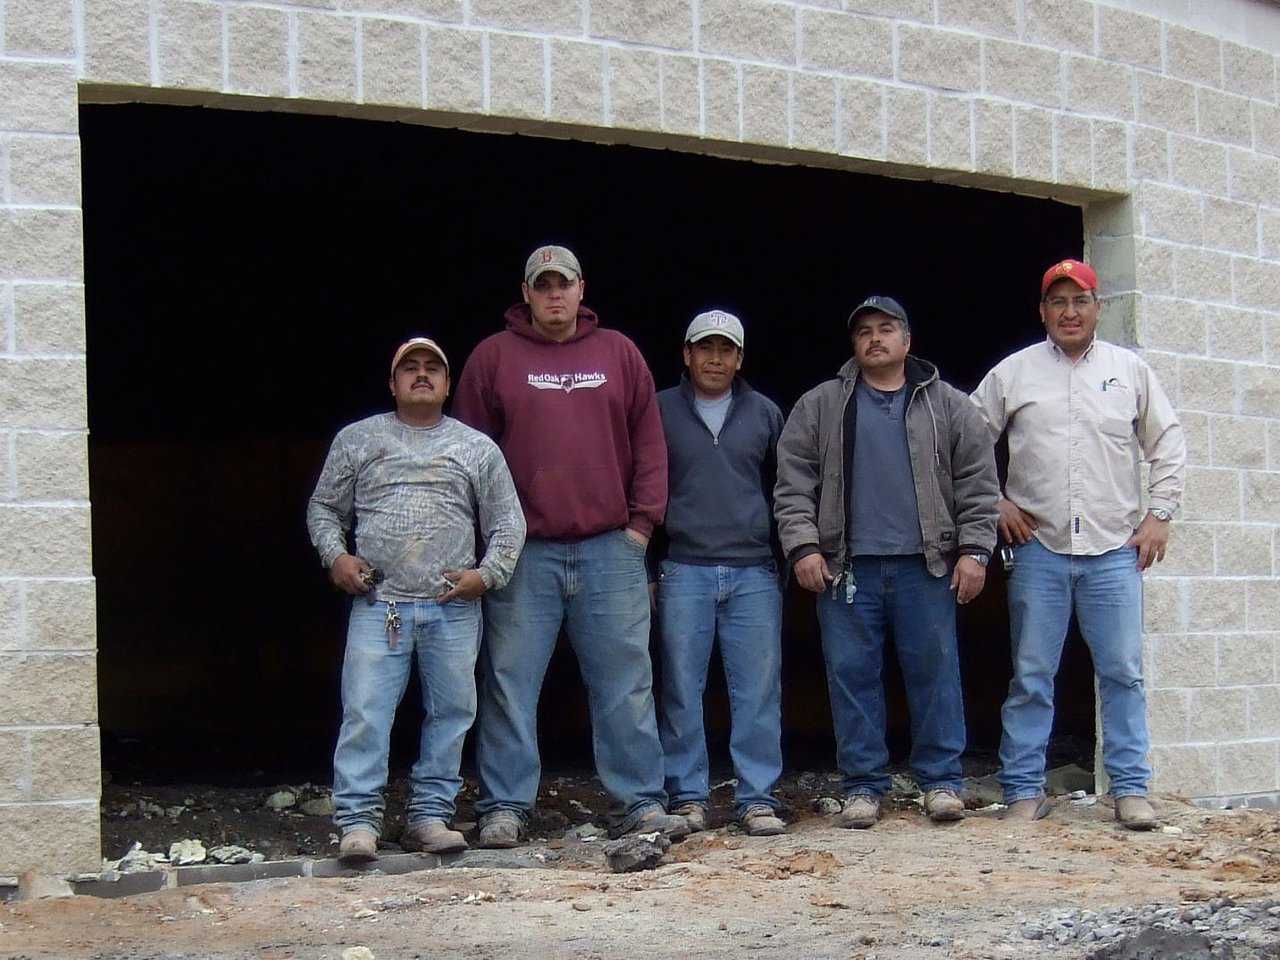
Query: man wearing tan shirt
[[1080, 413]]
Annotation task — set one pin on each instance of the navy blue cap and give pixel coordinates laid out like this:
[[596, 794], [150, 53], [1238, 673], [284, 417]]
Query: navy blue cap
[[886, 305]]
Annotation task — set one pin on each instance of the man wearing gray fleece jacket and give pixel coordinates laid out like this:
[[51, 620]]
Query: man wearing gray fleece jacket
[[886, 508]]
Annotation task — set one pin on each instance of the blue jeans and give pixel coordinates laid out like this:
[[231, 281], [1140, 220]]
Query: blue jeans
[[446, 640], [742, 606], [1106, 594], [598, 589], [898, 596]]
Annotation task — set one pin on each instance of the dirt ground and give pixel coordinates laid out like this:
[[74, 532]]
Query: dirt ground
[[906, 888]]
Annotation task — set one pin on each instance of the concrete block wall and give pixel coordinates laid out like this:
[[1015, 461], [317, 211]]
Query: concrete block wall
[[1166, 130]]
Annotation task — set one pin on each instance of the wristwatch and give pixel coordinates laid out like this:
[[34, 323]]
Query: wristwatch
[[1160, 513], [982, 558]]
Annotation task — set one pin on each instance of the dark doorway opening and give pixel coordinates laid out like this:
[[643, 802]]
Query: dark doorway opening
[[248, 275]]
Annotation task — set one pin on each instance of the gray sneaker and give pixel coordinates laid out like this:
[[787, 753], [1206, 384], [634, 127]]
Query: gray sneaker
[[431, 836], [762, 821], [861, 810], [500, 831], [694, 813]]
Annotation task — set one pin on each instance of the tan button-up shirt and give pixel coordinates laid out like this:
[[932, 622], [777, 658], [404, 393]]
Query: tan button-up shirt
[[1076, 434]]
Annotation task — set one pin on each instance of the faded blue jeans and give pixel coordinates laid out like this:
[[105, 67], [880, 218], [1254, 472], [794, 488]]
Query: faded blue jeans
[[742, 607], [598, 590], [895, 596], [1106, 594], [445, 639]]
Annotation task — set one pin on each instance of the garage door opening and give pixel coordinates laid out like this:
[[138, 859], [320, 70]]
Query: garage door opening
[[248, 275]]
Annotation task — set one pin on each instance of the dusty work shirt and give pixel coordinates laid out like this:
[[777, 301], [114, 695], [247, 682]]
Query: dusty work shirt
[[1076, 434], [415, 495]]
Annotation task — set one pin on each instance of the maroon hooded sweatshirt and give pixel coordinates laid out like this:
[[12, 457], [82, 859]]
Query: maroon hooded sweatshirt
[[577, 422]]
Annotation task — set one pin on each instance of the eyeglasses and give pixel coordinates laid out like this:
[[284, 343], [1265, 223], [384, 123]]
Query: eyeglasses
[[1080, 302]]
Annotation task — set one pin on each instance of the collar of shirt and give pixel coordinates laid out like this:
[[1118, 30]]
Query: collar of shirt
[[1056, 351]]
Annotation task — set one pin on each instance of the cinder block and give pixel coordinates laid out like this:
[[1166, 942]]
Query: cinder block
[[992, 17], [52, 466], [1235, 334], [1151, 155], [38, 97], [49, 317], [1216, 605], [921, 10], [1195, 427], [1100, 86], [61, 615], [516, 76], [44, 541], [1224, 117], [455, 70], [58, 838], [48, 688], [1257, 284], [1129, 38], [1061, 24], [1033, 144], [542, 16], [1019, 71], [190, 38], [939, 58], [15, 766], [846, 43], [66, 764], [577, 82], [39, 28], [1269, 234], [813, 114], [658, 23], [258, 51], [1169, 213], [863, 112], [1175, 325], [449, 11], [1247, 659], [1264, 711], [950, 133], [1211, 494], [749, 30], [1262, 497], [12, 627], [1198, 164], [44, 170], [1073, 164], [1154, 267], [1180, 661], [1250, 766], [1202, 274], [326, 57], [1264, 604], [682, 97], [1266, 127], [1167, 712], [117, 41], [1216, 715], [1188, 771], [392, 62], [993, 137], [765, 111], [720, 99], [1192, 55], [1208, 385], [635, 94], [1253, 177], [906, 125], [1164, 609], [1231, 226], [42, 244], [1273, 453], [46, 394], [1166, 102], [1248, 71]]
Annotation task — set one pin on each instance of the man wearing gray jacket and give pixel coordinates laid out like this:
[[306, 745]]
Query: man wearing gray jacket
[[886, 508]]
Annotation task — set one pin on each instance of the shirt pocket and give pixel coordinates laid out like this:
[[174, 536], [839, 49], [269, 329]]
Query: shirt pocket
[[1116, 428]]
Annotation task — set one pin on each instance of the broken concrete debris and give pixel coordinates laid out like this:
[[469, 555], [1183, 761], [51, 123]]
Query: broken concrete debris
[[1214, 930], [282, 800], [232, 853], [38, 886], [639, 851], [357, 953], [827, 806], [183, 853], [317, 806]]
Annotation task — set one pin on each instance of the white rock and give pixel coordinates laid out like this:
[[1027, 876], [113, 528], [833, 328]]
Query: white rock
[[357, 953], [1172, 831], [318, 807], [281, 800], [185, 852], [230, 854]]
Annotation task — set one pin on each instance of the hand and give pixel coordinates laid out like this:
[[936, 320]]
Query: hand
[[467, 585], [1151, 539], [346, 575], [637, 536], [812, 573], [1016, 525], [968, 579]]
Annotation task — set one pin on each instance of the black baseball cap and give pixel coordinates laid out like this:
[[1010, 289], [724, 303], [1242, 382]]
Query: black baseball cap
[[886, 305]]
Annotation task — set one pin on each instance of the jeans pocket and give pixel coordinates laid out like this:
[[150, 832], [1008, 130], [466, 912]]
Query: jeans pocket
[[639, 548]]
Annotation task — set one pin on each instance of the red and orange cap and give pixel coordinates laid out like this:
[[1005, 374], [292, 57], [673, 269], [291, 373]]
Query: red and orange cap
[[1077, 271]]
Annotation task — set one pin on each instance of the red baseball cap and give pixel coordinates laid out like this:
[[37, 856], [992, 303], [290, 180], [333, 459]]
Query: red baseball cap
[[1077, 271]]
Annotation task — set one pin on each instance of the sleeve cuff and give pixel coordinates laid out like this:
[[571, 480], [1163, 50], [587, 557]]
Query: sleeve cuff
[[640, 524], [800, 552]]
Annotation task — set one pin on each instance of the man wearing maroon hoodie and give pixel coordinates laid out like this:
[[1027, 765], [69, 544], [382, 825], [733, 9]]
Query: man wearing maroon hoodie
[[572, 407]]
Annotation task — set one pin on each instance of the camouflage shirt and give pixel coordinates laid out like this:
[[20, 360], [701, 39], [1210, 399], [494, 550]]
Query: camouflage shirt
[[416, 495]]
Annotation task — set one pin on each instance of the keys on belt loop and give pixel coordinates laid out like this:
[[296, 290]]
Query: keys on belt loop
[[850, 586], [393, 623]]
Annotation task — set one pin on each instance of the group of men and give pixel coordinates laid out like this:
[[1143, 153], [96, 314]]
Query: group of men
[[879, 493]]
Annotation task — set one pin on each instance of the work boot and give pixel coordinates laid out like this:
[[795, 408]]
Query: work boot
[[658, 820], [1135, 813], [500, 831], [431, 836], [1029, 808], [762, 821], [358, 846], [943, 804], [695, 814], [860, 811]]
